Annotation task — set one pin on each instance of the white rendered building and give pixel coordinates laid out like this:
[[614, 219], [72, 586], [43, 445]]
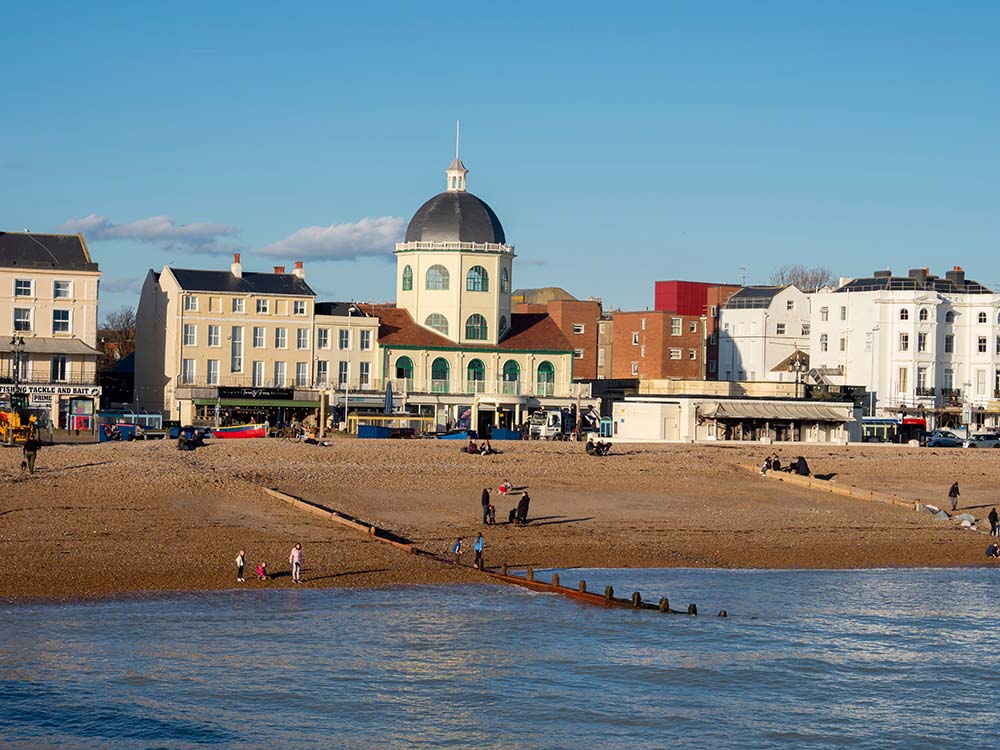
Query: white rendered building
[[917, 343], [761, 328]]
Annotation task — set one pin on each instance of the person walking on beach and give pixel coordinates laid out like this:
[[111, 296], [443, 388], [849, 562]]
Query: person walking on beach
[[262, 571], [241, 561], [478, 549], [953, 494], [486, 505], [994, 523], [456, 550], [31, 447], [295, 558]]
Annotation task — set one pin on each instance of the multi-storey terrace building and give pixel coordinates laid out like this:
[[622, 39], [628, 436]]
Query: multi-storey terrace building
[[251, 346], [48, 301], [918, 343]]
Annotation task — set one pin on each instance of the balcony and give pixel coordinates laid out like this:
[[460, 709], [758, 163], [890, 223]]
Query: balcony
[[69, 378], [952, 394], [925, 392]]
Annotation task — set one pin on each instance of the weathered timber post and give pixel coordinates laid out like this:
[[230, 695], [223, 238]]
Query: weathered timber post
[[609, 593], [692, 609], [636, 600], [503, 569], [582, 587], [664, 604], [555, 580], [531, 574], [723, 613]]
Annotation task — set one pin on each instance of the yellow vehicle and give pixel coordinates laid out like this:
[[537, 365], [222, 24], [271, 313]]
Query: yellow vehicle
[[11, 423]]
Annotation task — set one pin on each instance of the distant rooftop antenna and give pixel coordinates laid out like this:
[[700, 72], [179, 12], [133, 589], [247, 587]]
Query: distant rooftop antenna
[[743, 276]]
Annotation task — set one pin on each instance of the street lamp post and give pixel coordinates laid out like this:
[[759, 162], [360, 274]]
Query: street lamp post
[[347, 380], [17, 352], [797, 365]]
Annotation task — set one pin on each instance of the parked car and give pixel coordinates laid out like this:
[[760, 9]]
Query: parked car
[[944, 439], [983, 440]]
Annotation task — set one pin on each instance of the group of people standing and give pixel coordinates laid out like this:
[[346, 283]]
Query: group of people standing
[[518, 515], [294, 559]]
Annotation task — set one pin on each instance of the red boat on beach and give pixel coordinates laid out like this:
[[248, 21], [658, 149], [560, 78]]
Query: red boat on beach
[[241, 431]]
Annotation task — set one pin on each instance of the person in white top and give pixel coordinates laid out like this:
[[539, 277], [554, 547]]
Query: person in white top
[[295, 558]]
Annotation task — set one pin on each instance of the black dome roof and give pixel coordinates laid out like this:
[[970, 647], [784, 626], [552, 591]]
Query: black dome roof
[[455, 216]]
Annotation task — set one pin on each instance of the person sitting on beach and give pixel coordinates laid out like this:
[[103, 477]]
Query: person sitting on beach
[[766, 467], [262, 571], [775, 463], [472, 447], [487, 449], [993, 551]]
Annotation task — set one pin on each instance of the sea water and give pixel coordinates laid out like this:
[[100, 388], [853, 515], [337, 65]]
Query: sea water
[[806, 659]]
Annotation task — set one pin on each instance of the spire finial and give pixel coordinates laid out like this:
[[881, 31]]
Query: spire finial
[[457, 171], [457, 132]]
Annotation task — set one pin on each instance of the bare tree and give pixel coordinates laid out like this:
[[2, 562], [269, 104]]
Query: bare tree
[[806, 279], [117, 335]]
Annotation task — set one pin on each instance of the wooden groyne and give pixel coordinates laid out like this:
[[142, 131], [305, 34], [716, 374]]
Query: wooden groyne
[[528, 581]]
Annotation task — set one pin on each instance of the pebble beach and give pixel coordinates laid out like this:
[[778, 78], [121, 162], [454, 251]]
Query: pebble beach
[[139, 518]]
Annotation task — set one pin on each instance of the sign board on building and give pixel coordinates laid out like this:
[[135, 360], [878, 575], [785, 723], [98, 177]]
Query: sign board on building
[[52, 389], [261, 394]]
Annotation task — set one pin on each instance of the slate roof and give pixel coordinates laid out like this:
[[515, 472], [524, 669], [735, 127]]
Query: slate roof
[[340, 309], [455, 216], [64, 252], [907, 283], [527, 332], [251, 283], [753, 297]]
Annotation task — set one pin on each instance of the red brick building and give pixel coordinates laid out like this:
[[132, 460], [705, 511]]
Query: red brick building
[[578, 321], [679, 339], [657, 344]]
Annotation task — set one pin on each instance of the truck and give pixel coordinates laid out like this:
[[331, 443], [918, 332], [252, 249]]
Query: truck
[[550, 424]]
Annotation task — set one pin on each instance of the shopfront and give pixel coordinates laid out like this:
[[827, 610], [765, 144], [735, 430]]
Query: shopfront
[[235, 405], [64, 407]]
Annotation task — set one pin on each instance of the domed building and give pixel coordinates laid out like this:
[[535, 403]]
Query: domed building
[[451, 344]]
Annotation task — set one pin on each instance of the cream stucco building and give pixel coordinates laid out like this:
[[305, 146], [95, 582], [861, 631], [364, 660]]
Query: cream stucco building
[[451, 344], [48, 302], [245, 346]]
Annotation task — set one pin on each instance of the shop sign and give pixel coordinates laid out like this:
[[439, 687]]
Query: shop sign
[[52, 389], [260, 394]]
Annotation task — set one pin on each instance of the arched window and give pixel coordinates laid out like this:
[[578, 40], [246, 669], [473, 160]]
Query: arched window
[[949, 317], [982, 317], [453, 179], [904, 314], [407, 279], [923, 314], [438, 322], [440, 374], [504, 281], [511, 377], [404, 371], [477, 280], [546, 378], [824, 342], [437, 277], [475, 328], [475, 376], [503, 324]]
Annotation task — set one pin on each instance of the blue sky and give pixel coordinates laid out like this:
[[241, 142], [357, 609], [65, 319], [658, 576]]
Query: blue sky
[[618, 144]]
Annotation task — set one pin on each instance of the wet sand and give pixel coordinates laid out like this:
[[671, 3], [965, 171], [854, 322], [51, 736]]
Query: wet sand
[[99, 520]]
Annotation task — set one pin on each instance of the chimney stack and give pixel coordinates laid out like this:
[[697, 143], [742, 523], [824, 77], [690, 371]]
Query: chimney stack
[[299, 272], [279, 269], [236, 268], [956, 276]]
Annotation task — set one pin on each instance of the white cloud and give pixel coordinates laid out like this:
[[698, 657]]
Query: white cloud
[[202, 237], [348, 241], [122, 285]]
